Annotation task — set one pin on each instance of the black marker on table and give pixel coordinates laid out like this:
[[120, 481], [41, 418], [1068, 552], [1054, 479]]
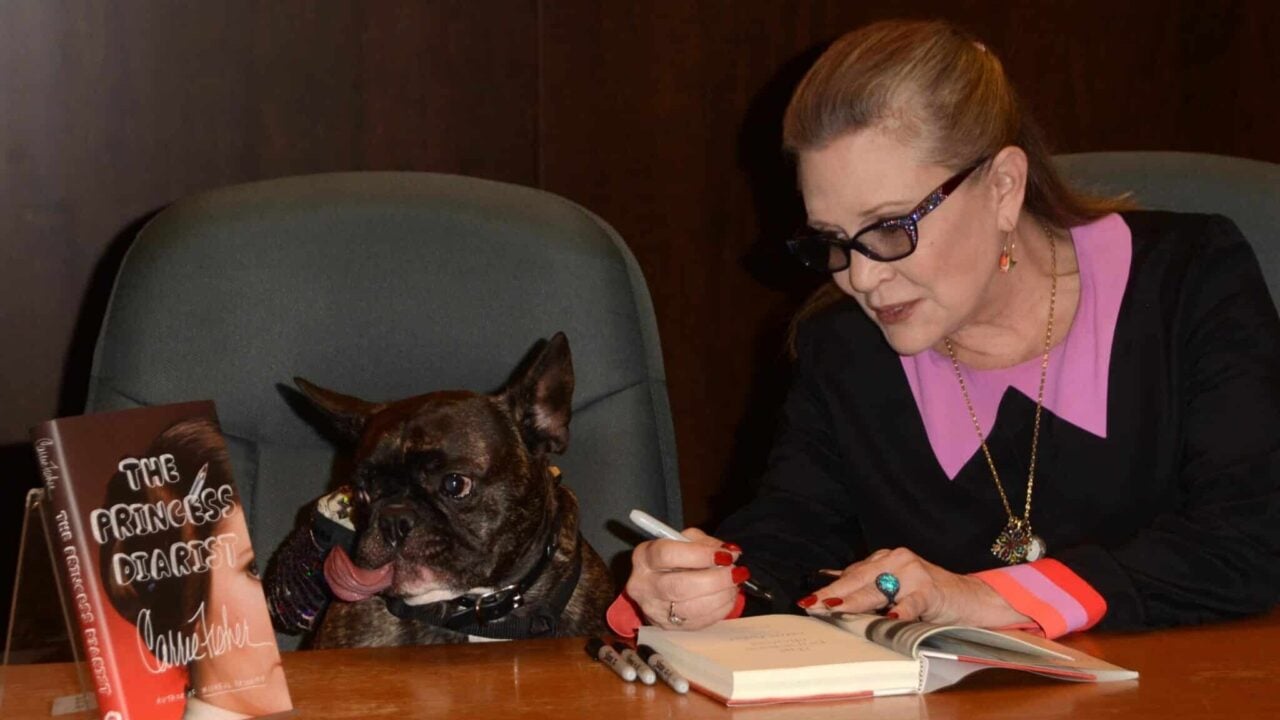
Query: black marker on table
[[664, 669], [598, 650], [643, 671]]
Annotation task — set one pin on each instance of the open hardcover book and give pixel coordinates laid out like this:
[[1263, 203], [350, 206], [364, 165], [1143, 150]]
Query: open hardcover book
[[792, 658]]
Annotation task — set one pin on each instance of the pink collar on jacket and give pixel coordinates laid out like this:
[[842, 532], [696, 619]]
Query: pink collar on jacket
[[1076, 383]]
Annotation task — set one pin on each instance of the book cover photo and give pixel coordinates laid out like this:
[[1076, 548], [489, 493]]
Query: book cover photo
[[158, 570]]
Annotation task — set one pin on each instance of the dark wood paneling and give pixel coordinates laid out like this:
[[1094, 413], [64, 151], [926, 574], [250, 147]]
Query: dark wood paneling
[[648, 119], [451, 87], [111, 110]]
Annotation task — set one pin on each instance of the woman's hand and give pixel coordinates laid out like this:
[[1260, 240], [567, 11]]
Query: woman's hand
[[927, 593], [695, 581]]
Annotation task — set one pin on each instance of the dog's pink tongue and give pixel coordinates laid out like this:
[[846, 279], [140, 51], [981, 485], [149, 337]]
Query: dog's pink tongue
[[351, 583]]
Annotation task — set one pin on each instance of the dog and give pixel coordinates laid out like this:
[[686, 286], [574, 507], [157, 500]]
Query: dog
[[457, 524]]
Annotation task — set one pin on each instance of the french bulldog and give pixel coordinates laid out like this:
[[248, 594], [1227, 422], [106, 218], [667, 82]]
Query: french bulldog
[[461, 528]]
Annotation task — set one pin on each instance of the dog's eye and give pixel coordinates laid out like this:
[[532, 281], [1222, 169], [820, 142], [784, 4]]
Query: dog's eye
[[455, 485]]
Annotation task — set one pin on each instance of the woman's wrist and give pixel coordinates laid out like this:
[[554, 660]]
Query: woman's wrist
[[990, 608]]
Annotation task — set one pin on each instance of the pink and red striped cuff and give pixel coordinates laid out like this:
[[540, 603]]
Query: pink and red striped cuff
[[1050, 593]]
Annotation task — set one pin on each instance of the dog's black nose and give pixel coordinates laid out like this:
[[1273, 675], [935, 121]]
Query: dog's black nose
[[395, 523]]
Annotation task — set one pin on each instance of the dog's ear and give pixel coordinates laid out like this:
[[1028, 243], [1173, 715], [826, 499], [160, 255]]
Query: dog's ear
[[540, 395], [347, 415]]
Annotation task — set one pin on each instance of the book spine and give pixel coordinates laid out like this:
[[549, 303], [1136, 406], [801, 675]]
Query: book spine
[[75, 560]]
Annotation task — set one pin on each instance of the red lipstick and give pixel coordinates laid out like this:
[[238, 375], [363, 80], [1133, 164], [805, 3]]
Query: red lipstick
[[894, 314]]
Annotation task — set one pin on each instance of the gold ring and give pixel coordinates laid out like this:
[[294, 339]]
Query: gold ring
[[672, 617]]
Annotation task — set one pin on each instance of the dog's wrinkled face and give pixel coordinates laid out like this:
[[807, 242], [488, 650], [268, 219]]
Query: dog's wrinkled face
[[452, 488]]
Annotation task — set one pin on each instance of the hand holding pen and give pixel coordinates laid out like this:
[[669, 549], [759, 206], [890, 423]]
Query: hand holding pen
[[685, 580]]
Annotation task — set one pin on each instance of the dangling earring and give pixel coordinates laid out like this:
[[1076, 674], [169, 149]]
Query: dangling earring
[[1006, 255]]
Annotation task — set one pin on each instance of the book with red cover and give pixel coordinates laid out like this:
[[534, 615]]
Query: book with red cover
[[150, 537]]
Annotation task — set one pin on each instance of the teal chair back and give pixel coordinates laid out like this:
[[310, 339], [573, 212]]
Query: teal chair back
[[1247, 191], [385, 285]]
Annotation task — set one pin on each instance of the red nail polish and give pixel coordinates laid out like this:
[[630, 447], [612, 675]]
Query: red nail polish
[[740, 575], [723, 559], [807, 601], [833, 602], [731, 547], [891, 615]]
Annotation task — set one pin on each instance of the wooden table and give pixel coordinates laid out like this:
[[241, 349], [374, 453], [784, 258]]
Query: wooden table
[[1229, 670]]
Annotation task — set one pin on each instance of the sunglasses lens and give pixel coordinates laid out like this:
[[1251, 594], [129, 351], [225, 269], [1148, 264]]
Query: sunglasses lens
[[817, 253], [888, 243], [827, 253]]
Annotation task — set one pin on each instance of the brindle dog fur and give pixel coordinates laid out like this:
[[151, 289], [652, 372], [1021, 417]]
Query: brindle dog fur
[[456, 489]]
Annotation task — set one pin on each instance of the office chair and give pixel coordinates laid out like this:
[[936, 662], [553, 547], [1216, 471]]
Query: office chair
[[1247, 191], [385, 285]]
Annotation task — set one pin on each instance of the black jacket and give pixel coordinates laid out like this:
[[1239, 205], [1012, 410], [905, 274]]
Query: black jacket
[[1173, 518]]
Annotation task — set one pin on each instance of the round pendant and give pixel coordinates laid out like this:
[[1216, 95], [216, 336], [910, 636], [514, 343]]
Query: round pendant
[[1036, 548]]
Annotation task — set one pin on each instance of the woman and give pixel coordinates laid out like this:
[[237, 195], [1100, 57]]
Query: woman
[[1015, 405], [206, 614]]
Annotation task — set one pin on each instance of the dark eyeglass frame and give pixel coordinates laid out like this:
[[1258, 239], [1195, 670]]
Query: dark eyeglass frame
[[908, 223]]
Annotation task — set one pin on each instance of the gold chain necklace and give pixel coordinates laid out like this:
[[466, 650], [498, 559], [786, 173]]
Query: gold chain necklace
[[1017, 542]]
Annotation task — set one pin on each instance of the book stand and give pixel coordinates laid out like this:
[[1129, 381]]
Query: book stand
[[41, 630]]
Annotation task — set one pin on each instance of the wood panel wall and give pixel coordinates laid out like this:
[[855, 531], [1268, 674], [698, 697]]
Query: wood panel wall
[[659, 115]]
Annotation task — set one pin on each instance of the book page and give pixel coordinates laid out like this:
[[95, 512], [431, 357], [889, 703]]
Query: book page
[[910, 636], [771, 642], [996, 644], [1004, 648], [902, 636], [782, 658], [1069, 657]]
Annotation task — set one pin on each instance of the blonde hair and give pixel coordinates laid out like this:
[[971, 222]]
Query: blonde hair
[[949, 95]]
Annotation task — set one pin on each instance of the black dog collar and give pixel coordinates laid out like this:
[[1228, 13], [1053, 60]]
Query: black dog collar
[[503, 613], [299, 592]]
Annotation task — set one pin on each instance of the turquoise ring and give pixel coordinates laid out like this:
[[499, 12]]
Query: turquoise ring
[[888, 585]]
